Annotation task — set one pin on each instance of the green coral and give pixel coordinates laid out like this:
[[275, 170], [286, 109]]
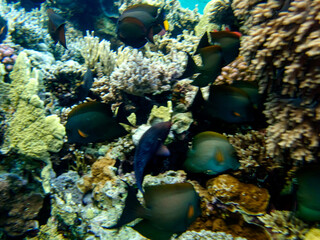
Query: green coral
[[30, 131]]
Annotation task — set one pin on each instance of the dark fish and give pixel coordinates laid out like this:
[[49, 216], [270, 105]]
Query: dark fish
[[56, 26], [92, 122], [138, 24], [170, 208], [308, 193], [150, 143], [226, 103], [230, 104], [3, 29], [223, 50], [84, 88], [229, 42]]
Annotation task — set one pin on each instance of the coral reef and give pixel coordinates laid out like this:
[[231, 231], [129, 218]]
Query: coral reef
[[140, 75], [282, 51], [30, 131], [7, 56], [246, 198], [102, 171], [19, 205], [282, 225], [211, 18]]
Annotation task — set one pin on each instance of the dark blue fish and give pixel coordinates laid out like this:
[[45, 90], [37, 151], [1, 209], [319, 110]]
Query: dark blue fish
[[150, 143], [170, 208]]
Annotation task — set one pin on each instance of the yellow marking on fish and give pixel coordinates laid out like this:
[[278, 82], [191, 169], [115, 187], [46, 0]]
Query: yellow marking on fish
[[166, 25], [1, 31], [82, 134], [190, 211], [219, 156], [237, 114]]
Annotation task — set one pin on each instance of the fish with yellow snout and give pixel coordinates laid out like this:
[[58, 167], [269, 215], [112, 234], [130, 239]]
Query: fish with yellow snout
[[150, 144], [3, 29], [92, 122], [215, 54], [308, 193], [139, 23], [211, 153], [170, 208]]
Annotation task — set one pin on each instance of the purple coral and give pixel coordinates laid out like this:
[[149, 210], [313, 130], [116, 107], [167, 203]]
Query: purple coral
[[7, 56]]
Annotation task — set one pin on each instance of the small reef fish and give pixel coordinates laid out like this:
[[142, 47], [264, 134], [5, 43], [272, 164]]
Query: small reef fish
[[139, 23], [150, 144], [308, 193], [170, 208], [3, 29], [227, 103], [86, 84], [223, 50], [92, 122], [211, 153], [56, 27]]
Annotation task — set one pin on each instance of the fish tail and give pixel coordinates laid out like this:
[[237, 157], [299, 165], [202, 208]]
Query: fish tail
[[132, 209], [191, 68]]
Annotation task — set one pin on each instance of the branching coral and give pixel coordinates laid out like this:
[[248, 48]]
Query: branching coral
[[283, 51]]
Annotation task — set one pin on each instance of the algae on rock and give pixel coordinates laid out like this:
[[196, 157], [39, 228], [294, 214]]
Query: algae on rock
[[30, 131]]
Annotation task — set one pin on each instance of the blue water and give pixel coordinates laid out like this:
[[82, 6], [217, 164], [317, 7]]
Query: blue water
[[191, 4]]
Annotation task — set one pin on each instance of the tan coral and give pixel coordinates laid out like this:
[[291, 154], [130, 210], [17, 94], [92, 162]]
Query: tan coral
[[282, 51], [246, 198], [100, 174]]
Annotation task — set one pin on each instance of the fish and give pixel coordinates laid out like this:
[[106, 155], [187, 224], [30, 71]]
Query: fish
[[56, 27], [229, 43], [211, 153], [223, 50], [149, 145], [86, 84], [92, 122], [139, 23], [308, 193], [170, 208], [3, 29], [225, 103], [230, 104]]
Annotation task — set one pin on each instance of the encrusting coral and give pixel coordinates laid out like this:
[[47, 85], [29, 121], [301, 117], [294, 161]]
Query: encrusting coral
[[246, 198], [30, 131], [282, 51]]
